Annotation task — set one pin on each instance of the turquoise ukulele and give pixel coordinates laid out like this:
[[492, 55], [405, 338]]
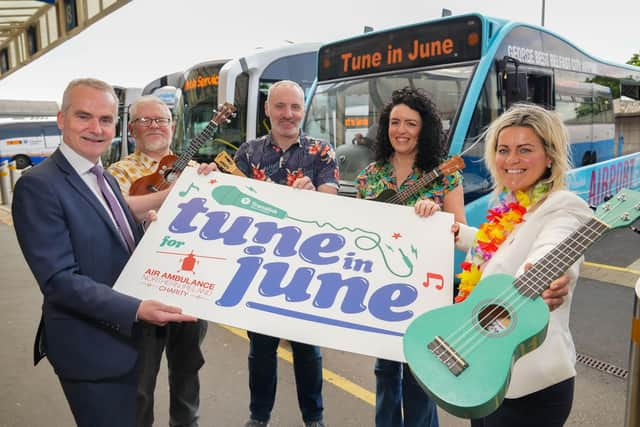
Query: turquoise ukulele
[[462, 354]]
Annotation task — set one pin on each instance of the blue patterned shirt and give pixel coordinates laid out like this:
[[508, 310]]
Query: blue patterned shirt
[[264, 160]]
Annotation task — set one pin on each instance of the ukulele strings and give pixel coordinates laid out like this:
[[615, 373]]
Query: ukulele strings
[[208, 132], [512, 294], [397, 198]]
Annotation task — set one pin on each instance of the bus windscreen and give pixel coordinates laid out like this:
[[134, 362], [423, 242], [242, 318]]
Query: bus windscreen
[[427, 44]]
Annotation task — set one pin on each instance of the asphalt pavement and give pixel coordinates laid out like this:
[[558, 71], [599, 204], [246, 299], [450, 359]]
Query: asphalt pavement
[[601, 323]]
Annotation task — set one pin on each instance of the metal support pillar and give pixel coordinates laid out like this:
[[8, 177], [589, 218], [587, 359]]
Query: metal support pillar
[[632, 413], [5, 183]]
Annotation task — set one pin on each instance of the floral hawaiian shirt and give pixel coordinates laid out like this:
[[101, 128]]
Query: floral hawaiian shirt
[[132, 167], [135, 166], [264, 160], [378, 177]]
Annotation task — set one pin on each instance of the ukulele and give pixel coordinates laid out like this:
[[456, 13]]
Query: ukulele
[[227, 164], [171, 166], [448, 167], [462, 354]]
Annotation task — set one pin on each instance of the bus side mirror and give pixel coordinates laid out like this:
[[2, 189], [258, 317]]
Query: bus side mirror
[[513, 84]]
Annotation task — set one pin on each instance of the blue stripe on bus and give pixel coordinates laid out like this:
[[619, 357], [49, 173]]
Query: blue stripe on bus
[[592, 183]]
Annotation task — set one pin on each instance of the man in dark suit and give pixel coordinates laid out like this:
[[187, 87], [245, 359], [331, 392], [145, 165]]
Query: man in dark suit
[[76, 234]]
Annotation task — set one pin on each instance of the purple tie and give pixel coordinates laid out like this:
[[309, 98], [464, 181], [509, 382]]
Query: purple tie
[[114, 206]]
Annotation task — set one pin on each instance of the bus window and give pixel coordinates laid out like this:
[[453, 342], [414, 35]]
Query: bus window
[[200, 99], [603, 124], [540, 89], [526, 84], [235, 132], [300, 68], [339, 111]]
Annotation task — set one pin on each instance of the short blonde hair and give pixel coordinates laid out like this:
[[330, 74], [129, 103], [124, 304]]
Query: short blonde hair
[[548, 126], [90, 82]]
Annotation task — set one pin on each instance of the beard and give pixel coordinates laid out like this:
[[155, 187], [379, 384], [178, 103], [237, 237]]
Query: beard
[[156, 146]]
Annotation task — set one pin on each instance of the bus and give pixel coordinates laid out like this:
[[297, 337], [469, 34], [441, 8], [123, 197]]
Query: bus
[[166, 88], [122, 145], [28, 142], [474, 67], [244, 82]]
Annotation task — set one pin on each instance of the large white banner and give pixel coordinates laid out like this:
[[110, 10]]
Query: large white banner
[[306, 266]]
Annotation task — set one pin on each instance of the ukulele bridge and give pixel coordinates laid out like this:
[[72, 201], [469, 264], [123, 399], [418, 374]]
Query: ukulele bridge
[[447, 355]]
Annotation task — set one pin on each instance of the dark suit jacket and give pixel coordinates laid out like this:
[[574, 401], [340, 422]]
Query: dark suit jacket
[[76, 254]]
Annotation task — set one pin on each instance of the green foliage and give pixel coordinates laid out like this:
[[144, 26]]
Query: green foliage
[[635, 60], [611, 82]]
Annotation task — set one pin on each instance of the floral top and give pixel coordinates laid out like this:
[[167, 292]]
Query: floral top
[[377, 177], [264, 160], [133, 167]]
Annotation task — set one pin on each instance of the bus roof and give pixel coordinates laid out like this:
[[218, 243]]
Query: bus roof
[[30, 122], [206, 64], [174, 79]]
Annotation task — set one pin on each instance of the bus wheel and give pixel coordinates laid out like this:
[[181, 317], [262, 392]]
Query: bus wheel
[[22, 161]]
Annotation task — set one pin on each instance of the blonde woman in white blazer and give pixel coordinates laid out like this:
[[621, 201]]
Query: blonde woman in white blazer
[[526, 150]]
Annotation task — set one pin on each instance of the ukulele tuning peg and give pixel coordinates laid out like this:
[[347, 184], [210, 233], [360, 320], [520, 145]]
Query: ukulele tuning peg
[[227, 120]]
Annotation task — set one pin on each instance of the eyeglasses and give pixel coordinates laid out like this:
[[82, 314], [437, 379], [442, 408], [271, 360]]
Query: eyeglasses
[[146, 121]]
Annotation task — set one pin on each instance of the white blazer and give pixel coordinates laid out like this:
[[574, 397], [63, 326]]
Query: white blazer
[[543, 228]]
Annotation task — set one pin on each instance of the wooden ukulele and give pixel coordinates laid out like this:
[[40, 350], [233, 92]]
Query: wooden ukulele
[[448, 167], [226, 163], [171, 166], [462, 354]]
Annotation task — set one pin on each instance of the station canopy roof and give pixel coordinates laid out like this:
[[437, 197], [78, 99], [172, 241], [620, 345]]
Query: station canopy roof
[[29, 28], [16, 15]]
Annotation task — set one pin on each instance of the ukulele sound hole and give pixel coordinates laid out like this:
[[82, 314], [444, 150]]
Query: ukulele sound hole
[[494, 319]]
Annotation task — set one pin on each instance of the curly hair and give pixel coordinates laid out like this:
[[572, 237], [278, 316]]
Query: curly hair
[[431, 149]]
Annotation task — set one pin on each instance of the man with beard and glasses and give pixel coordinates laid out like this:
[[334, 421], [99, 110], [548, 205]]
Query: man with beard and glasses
[[152, 128], [77, 233]]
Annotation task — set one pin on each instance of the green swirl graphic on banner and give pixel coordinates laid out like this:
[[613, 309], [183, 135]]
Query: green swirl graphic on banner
[[230, 195]]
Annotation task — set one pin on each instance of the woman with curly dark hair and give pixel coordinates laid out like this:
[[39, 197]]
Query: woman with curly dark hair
[[409, 145], [430, 148]]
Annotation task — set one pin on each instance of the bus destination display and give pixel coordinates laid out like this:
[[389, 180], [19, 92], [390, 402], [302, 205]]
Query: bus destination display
[[449, 41]]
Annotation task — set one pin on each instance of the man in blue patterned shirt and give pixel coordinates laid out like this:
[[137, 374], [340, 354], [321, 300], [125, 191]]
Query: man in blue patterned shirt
[[286, 156]]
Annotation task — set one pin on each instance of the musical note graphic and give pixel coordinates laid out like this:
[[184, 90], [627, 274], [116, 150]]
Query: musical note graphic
[[437, 278], [185, 192]]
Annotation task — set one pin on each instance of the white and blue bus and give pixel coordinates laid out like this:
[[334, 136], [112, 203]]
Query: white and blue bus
[[244, 82], [28, 142], [473, 68]]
